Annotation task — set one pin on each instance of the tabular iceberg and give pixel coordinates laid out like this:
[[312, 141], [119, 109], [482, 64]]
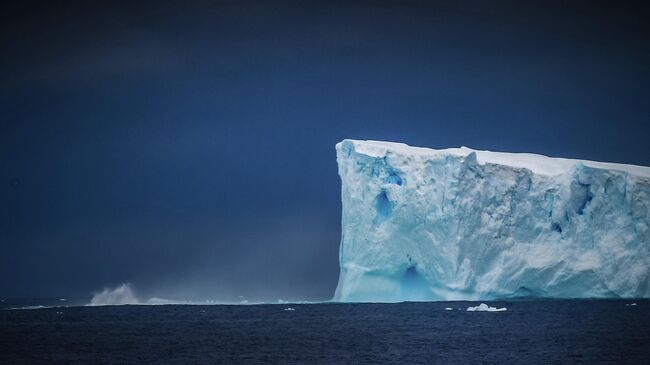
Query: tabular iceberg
[[453, 224]]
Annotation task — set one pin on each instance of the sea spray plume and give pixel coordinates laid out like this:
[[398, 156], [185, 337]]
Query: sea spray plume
[[120, 295], [125, 294]]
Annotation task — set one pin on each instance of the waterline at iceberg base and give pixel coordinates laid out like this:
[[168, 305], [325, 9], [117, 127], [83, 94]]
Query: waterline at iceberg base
[[458, 224]]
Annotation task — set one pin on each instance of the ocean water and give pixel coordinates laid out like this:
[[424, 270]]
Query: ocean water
[[531, 332]]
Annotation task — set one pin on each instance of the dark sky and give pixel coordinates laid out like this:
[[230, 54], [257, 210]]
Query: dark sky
[[189, 149]]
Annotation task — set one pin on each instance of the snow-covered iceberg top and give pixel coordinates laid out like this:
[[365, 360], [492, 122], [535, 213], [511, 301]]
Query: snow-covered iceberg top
[[424, 224], [538, 164]]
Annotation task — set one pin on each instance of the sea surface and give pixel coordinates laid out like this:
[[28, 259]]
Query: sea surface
[[530, 332]]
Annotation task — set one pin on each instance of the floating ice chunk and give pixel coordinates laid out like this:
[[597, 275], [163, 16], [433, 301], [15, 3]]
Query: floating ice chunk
[[485, 308], [630, 305], [449, 309], [289, 309]]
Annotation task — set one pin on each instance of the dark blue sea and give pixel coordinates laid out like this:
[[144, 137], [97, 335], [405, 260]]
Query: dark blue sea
[[531, 332]]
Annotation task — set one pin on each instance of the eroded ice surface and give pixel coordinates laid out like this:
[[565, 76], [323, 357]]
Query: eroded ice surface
[[423, 224]]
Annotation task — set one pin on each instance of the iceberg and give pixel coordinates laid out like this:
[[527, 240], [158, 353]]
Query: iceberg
[[420, 224]]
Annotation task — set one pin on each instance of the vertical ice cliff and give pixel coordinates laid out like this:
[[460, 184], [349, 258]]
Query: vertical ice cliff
[[423, 224]]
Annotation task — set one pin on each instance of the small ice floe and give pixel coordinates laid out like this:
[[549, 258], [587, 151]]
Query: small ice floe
[[485, 308], [449, 309], [289, 309], [630, 305], [62, 300]]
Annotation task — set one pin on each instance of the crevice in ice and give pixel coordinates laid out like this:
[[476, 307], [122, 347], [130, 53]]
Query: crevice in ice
[[413, 286], [394, 178], [581, 196], [556, 227], [550, 198], [384, 206], [584, 203]]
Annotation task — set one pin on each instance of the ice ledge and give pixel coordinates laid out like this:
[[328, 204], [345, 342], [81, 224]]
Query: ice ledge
[[538, 164]]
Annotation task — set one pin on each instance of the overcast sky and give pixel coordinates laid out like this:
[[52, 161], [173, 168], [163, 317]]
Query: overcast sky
[[189, 149]]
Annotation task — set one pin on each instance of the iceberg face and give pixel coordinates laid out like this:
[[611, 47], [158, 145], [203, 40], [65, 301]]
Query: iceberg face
[[457, 224]]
